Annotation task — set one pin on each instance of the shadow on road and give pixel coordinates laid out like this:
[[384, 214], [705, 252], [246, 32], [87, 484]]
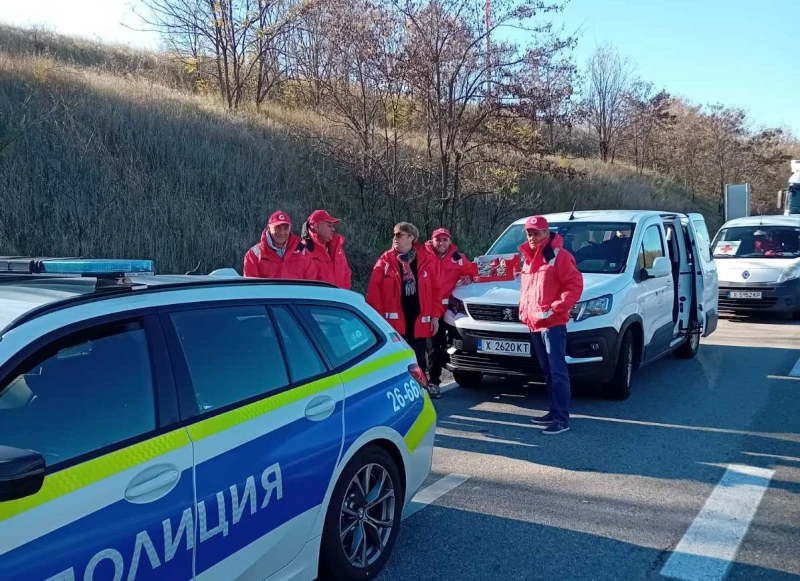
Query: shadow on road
[[449, 544], [684, 420]]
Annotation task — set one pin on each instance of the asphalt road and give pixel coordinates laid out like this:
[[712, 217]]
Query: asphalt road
[[612, 498]]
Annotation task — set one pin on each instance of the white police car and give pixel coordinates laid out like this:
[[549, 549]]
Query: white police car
[[184, 427]]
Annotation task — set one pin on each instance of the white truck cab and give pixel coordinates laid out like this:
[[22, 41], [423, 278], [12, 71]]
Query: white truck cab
[[758, 259], [650, 288]]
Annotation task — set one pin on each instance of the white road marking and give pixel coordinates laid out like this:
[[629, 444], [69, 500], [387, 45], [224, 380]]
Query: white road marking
[[709, 546], [448, 386], [433, 492], [795, 372]]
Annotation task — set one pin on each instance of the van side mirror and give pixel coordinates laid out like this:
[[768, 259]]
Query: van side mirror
[[21, 473], [661, 268], [781, 194]]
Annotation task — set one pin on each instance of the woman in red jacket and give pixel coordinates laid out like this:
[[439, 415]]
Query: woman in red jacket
[[404, 289]]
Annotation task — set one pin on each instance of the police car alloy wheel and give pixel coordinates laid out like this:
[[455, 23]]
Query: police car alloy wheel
[[363, 517]]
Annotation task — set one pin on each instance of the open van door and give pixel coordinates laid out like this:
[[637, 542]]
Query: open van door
[[706, 282]]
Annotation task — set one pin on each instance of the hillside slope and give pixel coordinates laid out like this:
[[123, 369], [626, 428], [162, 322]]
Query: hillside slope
[[114, 158]]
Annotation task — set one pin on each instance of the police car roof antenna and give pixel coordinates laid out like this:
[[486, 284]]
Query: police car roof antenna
[[195, 270], [572, 215]]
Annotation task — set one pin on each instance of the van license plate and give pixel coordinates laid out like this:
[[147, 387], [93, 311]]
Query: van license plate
[[515, 348], [744, 294]]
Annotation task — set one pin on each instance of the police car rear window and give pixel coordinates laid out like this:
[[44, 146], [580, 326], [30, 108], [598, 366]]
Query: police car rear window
[[345, 335], [233, 354]]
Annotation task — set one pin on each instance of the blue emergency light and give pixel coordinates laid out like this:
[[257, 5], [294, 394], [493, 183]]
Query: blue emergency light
[[95, 267], [99, 266]]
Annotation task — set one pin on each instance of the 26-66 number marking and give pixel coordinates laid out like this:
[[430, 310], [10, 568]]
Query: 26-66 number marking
[[409, 394]]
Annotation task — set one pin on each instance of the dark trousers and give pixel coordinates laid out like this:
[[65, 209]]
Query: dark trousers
[[419, 346], [550, 347], [437, 353]]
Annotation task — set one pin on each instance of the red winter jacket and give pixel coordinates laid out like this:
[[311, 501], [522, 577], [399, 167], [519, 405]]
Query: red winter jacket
[[384, 293], [331, 263], [261, 261], [551, 285], [452, 266]]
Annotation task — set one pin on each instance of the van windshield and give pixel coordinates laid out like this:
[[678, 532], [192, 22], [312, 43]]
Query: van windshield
[[758, 241], [598, 247]]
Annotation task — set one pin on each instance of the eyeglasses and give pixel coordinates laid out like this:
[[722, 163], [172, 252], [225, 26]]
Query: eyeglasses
[[400, 234]]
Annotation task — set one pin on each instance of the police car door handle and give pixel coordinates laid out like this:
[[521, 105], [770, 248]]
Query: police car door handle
[[163, 480], [320, 407]]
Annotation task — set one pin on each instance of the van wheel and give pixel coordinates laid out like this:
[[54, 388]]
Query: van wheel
[[619, 387], [468, 378], [690, 347], [363, 518]]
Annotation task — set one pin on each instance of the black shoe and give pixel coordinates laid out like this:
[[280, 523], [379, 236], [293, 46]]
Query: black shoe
[[545, 420], [434, 391], [555, 428]]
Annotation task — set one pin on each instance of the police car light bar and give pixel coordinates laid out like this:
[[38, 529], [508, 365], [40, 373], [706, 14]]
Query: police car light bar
[[98, 267]]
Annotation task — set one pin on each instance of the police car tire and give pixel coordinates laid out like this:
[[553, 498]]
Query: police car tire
[[333, 562]]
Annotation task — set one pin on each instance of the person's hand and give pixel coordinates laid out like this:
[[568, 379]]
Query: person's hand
[[466, 279], [435, 325]]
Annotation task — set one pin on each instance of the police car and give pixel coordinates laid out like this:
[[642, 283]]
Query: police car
[[200, 427]]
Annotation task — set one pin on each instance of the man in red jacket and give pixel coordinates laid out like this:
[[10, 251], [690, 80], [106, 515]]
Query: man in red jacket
[[551, 285], [454, 269], [327, 249], [280, 254]]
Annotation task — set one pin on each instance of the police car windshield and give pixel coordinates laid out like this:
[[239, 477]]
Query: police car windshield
[[598, 247], [758, 242]]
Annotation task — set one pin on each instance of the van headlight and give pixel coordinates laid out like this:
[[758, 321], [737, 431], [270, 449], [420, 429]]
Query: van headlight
[[591, 308], [791, 272], [456, 306]]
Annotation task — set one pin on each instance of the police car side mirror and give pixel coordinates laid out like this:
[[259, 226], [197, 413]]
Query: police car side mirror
[[21, 473]]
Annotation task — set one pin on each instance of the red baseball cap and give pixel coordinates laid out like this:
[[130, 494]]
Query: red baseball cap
[[278, 218], [536, 223], [441, 232], [321, 216]]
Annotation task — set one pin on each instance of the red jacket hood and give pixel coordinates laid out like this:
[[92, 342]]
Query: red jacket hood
[[556, 241], [336, 242]]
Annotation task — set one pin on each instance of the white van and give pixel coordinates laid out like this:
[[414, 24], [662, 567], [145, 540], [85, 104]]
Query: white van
[[650, 288], [758, 258]]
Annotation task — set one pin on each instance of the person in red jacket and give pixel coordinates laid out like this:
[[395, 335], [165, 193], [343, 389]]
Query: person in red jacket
[[403, 288], [280, 254], [453, 269], [551, 285], [327, 249]]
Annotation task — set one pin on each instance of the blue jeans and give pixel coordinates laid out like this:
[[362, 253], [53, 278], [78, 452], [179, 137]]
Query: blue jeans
[[550, 347]]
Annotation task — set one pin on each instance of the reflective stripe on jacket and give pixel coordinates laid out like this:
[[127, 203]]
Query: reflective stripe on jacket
[[385, 290]]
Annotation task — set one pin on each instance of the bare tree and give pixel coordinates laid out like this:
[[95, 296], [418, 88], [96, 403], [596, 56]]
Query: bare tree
[[239, 35], [648, 119], [726, 128], [610, 79]]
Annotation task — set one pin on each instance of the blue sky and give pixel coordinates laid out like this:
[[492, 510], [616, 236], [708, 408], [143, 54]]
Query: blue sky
[[743, 53]]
